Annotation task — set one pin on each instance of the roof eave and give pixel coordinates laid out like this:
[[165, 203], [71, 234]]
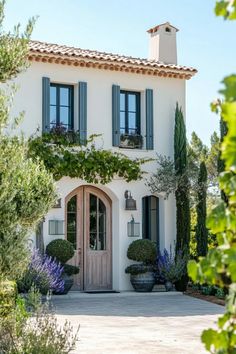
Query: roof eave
[[162, 70]]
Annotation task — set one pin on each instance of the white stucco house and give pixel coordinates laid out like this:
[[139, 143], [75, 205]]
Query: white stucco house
[[115, 96]]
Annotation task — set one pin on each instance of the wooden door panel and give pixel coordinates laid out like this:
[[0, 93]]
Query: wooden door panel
[[77, 259], [98, 274], [97, 263]]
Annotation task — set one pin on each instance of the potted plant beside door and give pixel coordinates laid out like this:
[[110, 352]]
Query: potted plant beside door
[[63, 251], [142, 275]]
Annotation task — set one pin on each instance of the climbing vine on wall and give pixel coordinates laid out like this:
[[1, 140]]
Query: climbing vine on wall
[[63, 155]]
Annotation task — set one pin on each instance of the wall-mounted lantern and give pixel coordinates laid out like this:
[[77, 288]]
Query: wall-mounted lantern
[[56, 227], [130, 203], [57, 204], [133, 228]]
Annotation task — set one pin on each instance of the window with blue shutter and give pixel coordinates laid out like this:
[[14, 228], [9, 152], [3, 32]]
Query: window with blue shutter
[[45, 104], [115, 115], [149, 119], [62, 106], [82, 111]]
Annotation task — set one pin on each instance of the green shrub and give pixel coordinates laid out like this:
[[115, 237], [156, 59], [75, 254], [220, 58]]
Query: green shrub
[[71, 269], [62, 250], [7, 297], [135, 269], [142, 251], [36, 331], [220, 293], [208, 290]]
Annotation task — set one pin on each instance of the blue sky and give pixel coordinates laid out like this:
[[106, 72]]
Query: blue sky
[[119, 26]]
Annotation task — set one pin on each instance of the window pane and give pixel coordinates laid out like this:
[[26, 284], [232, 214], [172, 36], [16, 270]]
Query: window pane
[[153, 203], [132, 102], [93, 213], [102, 226], [132, 126], [97, 240], [64, 96], [122, 122], [72, 220], [53, 114], [64, 115], [53, 94], [122, 101]]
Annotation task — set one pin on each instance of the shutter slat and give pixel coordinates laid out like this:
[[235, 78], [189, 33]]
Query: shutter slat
[[83, 112], [149, 119], [115, 115], [45, 104]]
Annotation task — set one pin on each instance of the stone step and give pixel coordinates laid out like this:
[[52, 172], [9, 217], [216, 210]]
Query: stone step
[[159, 288]]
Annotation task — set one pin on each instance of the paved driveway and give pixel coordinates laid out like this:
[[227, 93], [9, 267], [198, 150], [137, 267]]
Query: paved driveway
[[134, 323]]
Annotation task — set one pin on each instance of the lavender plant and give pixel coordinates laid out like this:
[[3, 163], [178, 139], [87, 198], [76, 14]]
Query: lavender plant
[[171, 267], [44, 272]]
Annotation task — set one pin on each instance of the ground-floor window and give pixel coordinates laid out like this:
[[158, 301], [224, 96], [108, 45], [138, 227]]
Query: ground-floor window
[[150, 216]]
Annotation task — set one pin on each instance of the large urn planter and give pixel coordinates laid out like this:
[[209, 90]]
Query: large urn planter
[[142, 276], [143, 282]]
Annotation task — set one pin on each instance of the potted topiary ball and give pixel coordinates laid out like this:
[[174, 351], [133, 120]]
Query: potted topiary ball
[[142, 275], [63, 250]]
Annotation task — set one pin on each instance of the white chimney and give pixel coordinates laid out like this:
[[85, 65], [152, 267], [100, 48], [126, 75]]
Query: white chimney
[[162, 43]]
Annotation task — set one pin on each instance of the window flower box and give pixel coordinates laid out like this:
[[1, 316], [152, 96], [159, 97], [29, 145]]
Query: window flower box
[[131, 141]]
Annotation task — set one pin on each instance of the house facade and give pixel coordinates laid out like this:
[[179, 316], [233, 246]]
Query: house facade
[[131, 103]]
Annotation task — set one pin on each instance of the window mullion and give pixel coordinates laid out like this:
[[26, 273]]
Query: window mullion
[[58, 105], [126, 114]]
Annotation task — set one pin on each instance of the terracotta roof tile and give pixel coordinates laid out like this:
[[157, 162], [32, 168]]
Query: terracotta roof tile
[[44, 49]]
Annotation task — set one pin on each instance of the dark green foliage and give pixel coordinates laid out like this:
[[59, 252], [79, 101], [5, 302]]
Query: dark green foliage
[[70, 269], [135, 269], [62, 157], [62, 250], [201, 230], [182, 191], [142, 251], [221, 164], [180, 143]]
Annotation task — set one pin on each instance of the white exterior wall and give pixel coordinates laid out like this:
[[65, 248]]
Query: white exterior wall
[[166, 92]]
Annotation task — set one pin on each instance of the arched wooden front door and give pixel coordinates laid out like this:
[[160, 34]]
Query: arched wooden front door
[[88, 227]]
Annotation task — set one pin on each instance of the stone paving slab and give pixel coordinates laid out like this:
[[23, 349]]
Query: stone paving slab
[[135, 323]]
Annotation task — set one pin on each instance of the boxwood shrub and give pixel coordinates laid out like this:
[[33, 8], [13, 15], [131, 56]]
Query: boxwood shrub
[[142, 251], [62, 250]]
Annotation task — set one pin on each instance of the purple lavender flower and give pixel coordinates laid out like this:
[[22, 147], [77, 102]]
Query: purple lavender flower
[[44, 272], [171, 267]]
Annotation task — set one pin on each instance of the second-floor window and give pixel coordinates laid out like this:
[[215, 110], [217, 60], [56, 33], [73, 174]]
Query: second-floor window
[[61, 106], [129, 113]]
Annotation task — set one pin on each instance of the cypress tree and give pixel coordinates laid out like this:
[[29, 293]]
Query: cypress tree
[[201, 230], [221, 164], [182, 192]]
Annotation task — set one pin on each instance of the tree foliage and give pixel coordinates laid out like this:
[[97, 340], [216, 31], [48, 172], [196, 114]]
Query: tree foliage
[[182, 191], [64, 158], [13, 48], [26, 189], [219, 266], [201, 208]]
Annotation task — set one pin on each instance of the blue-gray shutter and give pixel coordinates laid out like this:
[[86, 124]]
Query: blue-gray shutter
[[83, 111], [45, 104], [149, 119], [115, 115]]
